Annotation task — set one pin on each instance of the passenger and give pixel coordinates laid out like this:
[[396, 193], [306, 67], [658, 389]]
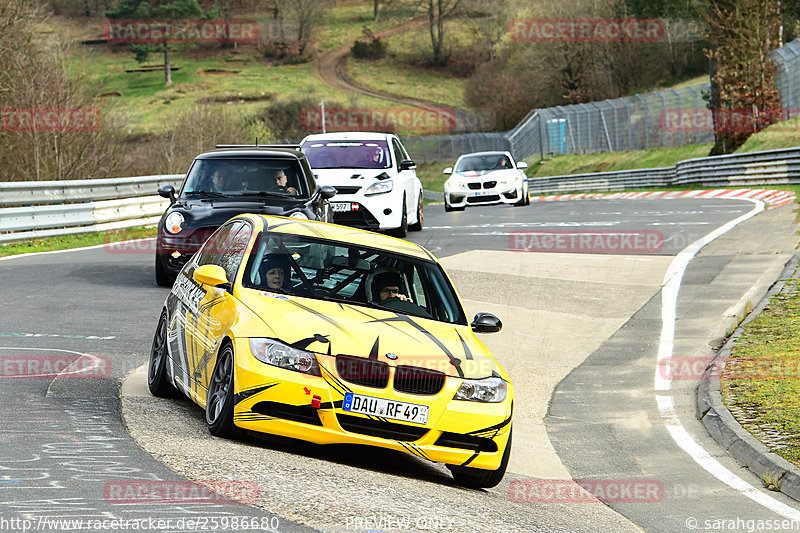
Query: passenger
[[274, 272]]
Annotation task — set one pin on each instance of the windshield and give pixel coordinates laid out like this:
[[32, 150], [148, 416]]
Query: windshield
[[485, 162], [345, 273], [347, 154], [245, 177]]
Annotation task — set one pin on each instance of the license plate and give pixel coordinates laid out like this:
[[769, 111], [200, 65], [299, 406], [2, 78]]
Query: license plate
[[482, 193], [340, 207], [369, 405]]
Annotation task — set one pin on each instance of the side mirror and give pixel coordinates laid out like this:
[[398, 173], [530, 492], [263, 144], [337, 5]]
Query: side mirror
[[448, 170], [213, 275], [486, 323], [407, 164], [522, 164], [327, 192], [167, 191]]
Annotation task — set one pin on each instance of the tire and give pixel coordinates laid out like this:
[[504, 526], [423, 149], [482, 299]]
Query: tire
[[527, 195], [418, 225], [448, 208], [402, 231], [476, 478], [219, 402], [163, 277], [521, 200], [157, 380]]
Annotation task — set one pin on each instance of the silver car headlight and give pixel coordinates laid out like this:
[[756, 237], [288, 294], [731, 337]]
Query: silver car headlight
[[299, 215], [174, 222], [487, 390], [276, 353], [379, 187]]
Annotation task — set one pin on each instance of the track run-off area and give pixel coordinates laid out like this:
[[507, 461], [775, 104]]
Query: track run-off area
[[598, 297]]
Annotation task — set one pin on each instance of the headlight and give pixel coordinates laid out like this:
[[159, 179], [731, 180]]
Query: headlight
[[379, 187], [299, 215], [174, 222], [489, 390], [278, 354]]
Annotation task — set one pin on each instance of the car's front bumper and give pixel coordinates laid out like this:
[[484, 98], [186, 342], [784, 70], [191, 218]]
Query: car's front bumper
[[278, 401], [374, 212], [499, 194]]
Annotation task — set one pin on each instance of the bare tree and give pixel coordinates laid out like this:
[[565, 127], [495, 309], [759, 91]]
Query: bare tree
[[303, 15], [438, 12]]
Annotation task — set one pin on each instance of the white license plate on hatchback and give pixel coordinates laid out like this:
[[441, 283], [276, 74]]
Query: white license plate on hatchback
[[341, 207], [369, 405]]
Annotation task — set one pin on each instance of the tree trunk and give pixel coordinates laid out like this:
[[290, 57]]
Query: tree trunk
[[375, 11], [167, 68]]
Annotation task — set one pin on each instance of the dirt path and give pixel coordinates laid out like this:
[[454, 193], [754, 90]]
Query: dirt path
[[330, 67]]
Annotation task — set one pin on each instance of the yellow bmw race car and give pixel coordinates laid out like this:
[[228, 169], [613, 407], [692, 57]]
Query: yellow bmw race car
[[331, 335]]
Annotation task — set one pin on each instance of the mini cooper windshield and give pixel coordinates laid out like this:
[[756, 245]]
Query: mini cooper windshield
[[226, 178], [345, 273]]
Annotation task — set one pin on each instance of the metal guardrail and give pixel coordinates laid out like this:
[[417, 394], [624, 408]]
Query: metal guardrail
[[772, 168], [51, 208]]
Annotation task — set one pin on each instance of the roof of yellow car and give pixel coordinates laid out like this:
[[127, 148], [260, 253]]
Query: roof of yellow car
[[333, 232]]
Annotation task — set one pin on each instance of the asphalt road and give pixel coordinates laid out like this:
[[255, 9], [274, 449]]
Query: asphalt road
[[65, 449]]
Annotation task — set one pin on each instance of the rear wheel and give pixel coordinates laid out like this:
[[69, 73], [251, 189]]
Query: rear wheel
[[219, 402], [417, 226], [476, 478], [157, 380]]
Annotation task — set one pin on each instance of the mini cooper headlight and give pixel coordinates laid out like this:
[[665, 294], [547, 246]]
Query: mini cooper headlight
[[278, 354], [174, 222], [488, 390], [379, 187]]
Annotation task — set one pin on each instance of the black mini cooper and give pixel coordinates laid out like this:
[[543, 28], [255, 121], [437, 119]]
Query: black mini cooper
[[229, 181]]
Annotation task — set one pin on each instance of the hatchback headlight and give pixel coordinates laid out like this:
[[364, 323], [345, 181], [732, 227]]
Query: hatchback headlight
[[379, 187], [278, 354], [174, 222], [488, 390]]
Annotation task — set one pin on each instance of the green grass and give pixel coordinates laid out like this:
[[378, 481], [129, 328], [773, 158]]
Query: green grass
[[761, 382], [65, 242]]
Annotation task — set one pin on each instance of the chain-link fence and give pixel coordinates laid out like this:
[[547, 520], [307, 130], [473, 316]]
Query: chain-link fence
[[666, 118]]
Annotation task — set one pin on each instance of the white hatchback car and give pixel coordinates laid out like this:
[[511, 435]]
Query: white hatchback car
[[376, 184], [482, 178]]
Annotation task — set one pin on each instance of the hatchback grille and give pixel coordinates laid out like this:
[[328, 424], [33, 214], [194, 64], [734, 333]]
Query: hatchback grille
[[361, 371], [415, 380], [377, 428]]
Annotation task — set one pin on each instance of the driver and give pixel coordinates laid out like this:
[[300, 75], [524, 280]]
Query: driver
[[387, 285], [275, 271]]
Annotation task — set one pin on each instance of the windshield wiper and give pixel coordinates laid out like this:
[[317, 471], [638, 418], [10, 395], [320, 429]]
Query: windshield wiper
[[263, 194], [210, 194]]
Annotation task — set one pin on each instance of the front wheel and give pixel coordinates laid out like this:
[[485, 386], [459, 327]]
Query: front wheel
[[402, 231], [219, 402], [157, 380], [418, 225], [163, 277], [477, 478]]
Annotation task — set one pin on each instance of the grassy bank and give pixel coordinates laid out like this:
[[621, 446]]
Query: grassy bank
[[81, 240]]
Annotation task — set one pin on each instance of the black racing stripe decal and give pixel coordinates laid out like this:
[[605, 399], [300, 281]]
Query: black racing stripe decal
[[211, 303], [302, 344], [420, 451], [245, 394], [405, 318], [331, 405], [467, 353], [501, 425], [334, 382], [245, 417], [410, 449], [372, 317], [323, 317], [468, 461], [373, 353]]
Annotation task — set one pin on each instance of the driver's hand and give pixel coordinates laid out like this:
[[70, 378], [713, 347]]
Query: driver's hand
[[403, 297]]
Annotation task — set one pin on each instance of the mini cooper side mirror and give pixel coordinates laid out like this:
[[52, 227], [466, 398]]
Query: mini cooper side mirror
[[167, 191], [327, 192], [213, 275], [448, 170], [407, 164], [486, 323]]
